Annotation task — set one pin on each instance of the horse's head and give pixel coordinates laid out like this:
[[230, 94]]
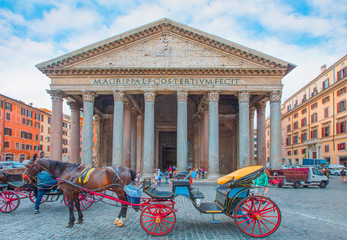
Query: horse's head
[[32, 168]]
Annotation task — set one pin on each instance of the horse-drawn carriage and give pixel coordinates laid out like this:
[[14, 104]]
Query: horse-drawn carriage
[[255, 216], [13, 188]]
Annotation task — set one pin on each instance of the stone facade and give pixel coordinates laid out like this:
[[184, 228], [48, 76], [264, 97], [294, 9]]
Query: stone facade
[[180, 83]]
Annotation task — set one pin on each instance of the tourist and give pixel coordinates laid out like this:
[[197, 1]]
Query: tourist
[[156, 178], [45, 182], [137, 179], [261, 182], [343, 175], [203, 173], [160, 176], [170, 178]]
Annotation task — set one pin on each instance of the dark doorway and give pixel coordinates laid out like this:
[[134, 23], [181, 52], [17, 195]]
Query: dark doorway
[[167, 150]]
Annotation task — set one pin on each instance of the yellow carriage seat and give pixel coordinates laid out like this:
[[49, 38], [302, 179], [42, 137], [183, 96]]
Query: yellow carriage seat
[[240, 173]]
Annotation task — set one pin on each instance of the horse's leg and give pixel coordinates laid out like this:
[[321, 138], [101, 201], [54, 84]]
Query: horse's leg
[[78, 207], [70, 201], [123, 212]]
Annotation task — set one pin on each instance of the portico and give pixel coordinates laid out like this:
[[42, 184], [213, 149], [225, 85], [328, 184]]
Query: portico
[[167, 80]]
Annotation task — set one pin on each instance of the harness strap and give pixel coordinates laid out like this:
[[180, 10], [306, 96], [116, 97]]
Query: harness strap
[[116, 175]]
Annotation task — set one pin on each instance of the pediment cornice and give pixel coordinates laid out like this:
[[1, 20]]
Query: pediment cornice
[[166, 71], [158, 27]]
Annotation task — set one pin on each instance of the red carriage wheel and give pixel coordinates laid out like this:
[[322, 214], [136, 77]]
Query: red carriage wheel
[[32, 197], [86, 200], [257, 216], [9, 201], [158, 219]]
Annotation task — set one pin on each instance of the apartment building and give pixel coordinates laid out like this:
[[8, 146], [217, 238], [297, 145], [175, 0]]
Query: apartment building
[[19, 129], [314, 118]]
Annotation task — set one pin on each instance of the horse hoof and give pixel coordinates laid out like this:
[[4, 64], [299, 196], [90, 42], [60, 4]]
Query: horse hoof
[[119, 224], [79, 222], [116, 221], [69, 226]]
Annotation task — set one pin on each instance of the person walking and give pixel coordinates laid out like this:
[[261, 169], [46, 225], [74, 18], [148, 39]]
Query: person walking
[[343, 175], [137, 179], [45, 182], [160, 176], [261, 182], [170, 178]]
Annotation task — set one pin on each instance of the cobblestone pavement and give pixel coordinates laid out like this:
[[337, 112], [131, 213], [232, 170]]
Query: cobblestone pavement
[[307, 213]]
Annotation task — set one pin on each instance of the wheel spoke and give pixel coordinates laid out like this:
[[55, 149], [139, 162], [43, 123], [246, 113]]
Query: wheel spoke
[[259, 227], [248, 225], [150, 225], [168, 221], [165, 225], [148, 216], [245, 220], [265, 225], [155, 227], [269, 221], [261, 200], [268, 211], [255, 222]]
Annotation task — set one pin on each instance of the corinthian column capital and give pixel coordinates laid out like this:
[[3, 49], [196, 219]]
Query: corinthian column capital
[[213, 96], [57, 95], [261, 105], [74, 106], [243, 96], [118, 96], [182, 96], [275, 96], [149, 96], [89, 96]]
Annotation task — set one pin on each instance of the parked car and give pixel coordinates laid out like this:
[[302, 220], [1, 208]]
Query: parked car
[[335, 171], [11, 164]]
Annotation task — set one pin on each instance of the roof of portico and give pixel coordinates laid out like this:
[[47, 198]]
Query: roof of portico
[[67, 63]]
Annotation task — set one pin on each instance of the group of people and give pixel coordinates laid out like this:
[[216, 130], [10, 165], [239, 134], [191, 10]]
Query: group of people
[[197, 173]]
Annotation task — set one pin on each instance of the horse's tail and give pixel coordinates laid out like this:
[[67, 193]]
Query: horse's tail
[[133, 174]]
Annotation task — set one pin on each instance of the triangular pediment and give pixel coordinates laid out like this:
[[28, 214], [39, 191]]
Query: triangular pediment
[[165, 51], [165, 44]]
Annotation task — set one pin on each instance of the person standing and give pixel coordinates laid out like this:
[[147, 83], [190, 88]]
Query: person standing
[[45, 182], [343, 175], [160, 176], [156, 178]]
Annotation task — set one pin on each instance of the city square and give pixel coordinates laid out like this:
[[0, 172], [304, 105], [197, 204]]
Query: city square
[[307, 213], [243, 94]]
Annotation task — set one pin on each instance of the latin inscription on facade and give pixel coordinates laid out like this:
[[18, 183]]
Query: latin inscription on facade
[[167, 81]]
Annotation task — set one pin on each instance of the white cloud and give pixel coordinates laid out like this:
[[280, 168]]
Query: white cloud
[[66, 26]]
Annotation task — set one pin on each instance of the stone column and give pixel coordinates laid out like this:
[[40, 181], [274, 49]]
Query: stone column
[[202, 140], [117, 149], [127, 135], [261, 133], [182, 97], [148, 141], [75, 132], [206, 138], [97, 152], [251, 136], [244, 156], [213, 136], [195, 141], [87, 135], [133, 140], [275, 131], [57, 124], [139, 134]]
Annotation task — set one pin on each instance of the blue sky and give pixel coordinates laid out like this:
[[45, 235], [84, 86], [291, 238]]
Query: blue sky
[[306, 33]]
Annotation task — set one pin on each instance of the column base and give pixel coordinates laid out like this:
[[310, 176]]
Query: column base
[[213, 176]]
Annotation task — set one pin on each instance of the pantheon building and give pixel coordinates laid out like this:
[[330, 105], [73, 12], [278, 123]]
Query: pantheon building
[[167, 94]]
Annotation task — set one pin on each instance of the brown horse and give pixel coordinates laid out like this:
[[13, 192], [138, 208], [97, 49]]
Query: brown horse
[[104, 178]]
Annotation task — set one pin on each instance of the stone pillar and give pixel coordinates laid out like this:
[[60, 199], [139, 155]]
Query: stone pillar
[[139, 134], [275, 131], [244, 141], [261, 133], [75, 132], [195, 141], [213, 136], [127, 135], [251, 136], [182, 128], [57, 124], [87, 135], [202, 140], [148, 141], [133, 140], [117, 149], [97, 152], [206, 138]]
